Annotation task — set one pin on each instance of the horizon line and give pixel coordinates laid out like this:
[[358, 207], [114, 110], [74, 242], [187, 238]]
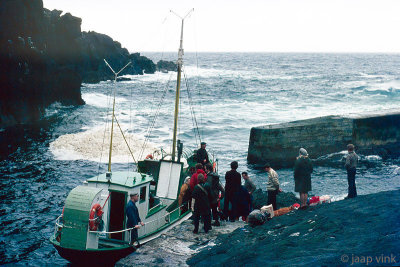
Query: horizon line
[[281, 52]]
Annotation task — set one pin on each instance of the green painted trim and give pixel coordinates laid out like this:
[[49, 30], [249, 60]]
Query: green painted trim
[[125, 179], [154, 210]]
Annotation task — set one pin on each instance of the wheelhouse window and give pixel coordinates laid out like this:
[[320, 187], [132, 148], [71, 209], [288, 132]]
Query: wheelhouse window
[[143, 194]]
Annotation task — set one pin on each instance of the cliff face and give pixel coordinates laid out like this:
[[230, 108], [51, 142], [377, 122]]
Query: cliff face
[[44, 58], [31, 78]]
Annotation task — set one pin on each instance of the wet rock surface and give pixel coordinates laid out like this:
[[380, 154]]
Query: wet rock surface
[[177, 245], [339, 233]]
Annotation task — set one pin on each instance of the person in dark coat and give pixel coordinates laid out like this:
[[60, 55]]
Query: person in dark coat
[[351, 165], [232, 184], [201, 205], [241, 202], [134, 220], [302, 176], [216, 188], [249, 185], [202, 155]]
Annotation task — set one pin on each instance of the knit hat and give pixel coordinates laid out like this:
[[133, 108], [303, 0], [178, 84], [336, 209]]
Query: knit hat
[[303, 152]]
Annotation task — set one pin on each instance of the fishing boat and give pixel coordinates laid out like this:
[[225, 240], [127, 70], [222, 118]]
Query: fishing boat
[[92, 227]]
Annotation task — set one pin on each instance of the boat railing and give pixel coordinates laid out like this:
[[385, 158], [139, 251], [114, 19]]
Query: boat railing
[[167, 218]]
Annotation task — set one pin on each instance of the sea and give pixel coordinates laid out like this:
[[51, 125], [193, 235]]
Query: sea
[[223, 95]]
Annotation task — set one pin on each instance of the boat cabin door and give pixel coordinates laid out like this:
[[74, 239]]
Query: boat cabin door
[[118, 201]]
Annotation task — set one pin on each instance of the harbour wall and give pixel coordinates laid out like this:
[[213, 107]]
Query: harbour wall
[[279, 144]]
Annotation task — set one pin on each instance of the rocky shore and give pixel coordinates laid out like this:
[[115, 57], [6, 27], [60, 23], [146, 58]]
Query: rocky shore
[[341, 233], [44, 58], [159, 252]]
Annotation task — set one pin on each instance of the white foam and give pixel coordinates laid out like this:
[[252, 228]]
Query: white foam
[[389, 86], [396, 171], [373, 158], [93, 145], [100, 100]]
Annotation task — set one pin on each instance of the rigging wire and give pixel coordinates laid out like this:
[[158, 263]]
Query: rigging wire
[[154, 119], [193, 114], [105, 127], [197, 70]]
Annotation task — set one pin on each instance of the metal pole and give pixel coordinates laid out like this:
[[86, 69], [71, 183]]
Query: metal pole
[[113, 111], [178, 86]]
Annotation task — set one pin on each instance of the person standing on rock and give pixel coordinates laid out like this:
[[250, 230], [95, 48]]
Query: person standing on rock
[[272, 185], [351, 165], [302, 176], [201, 205], [232, 184], [250, 187], [216, 189]]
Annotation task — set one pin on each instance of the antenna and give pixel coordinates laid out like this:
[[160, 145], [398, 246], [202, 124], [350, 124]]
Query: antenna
[[108, 174], [117, 73]]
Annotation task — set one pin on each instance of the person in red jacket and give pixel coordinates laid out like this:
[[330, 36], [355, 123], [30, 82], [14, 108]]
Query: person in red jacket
[[194, 181]]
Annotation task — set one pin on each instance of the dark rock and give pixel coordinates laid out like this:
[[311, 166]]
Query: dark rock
[[324, 235], [44, 58], [279, 144], [123, 79], [165, 66]]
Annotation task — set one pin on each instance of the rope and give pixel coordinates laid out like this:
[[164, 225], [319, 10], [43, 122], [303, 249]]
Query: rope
[[129, 229], [119, 126]]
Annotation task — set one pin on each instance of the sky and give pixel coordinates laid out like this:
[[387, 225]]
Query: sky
[[342, 26]]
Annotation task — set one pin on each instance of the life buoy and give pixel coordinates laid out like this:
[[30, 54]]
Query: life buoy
[[95, 217], [149, 156]]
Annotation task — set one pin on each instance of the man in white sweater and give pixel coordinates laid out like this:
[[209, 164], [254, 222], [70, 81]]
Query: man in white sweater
[[272, 185]]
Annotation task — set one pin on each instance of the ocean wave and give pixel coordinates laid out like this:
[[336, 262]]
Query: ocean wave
[[387, 87], [100, 100], [396, 170]]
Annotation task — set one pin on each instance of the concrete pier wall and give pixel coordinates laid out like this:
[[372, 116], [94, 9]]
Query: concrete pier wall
[[279, 144]]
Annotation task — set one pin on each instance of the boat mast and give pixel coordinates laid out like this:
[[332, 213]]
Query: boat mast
[[178, 85], [113, 111]]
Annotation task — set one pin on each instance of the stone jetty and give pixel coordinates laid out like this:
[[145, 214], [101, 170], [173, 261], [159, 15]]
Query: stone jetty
[[279, 144]]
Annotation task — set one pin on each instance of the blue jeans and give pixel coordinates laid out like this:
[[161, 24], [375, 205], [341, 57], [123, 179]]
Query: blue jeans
[[351, 179]]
